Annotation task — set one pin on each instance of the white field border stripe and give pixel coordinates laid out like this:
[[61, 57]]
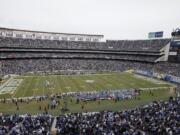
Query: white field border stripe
[[156, 88], [11, 83], [153, 80]]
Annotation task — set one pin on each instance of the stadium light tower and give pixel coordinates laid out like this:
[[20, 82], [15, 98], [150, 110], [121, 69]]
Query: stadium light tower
[[176, 34], [174, 54]]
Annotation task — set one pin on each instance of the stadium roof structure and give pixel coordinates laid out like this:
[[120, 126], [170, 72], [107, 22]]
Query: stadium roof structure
[[12, 29]]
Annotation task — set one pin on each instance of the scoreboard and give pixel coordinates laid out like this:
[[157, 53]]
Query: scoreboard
[[158, 34]]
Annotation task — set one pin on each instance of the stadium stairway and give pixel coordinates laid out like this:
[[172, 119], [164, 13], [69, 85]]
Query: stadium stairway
[[53, 127]]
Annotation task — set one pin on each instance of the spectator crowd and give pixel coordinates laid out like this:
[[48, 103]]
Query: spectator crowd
[[19, 56], [157, 118], [54, 55], [114, 94], [22, 66], [119, 45], [25, 124]]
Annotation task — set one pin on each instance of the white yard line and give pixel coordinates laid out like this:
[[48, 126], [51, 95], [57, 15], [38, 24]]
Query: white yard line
[[72, 75], [43, 90], [34, 92]]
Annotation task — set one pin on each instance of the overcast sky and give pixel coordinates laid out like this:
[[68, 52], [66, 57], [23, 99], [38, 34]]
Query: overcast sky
[[116, 19]]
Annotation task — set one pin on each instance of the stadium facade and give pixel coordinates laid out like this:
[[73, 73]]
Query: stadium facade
[[29, 34]]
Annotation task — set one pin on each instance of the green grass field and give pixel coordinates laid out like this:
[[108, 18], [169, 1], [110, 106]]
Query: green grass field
[[91, 106], [34, 85]]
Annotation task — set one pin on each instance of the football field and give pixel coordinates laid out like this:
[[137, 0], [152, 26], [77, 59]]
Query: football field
[[28, 86]]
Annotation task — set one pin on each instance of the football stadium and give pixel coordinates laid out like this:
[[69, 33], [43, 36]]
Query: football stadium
[[86, 84]]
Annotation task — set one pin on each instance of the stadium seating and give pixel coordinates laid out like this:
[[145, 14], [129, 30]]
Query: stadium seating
[[19, 55], [159, 117], [122, 45], [25, 55], [25, 124], [155, 118], [34, 65]]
